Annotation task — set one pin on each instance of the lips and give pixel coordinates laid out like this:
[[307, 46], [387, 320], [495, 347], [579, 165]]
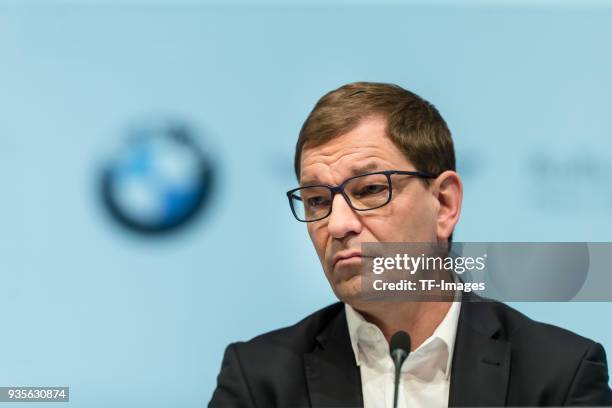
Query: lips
[[345, 256]]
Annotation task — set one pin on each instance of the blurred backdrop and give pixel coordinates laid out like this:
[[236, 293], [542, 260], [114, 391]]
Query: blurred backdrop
[[146, 147]]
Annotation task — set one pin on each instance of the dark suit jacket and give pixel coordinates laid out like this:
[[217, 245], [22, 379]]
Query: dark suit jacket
[[501, 358]]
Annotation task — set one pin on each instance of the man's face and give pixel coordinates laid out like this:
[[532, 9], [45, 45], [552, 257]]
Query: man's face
[[411, 216]]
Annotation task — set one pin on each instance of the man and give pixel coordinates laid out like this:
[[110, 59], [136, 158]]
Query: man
[[376, 163]]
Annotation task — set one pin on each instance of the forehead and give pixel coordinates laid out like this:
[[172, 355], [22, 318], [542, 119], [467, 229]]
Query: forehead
[[365, 148]]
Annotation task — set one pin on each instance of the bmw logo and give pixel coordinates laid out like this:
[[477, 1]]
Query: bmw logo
[[159, 179]]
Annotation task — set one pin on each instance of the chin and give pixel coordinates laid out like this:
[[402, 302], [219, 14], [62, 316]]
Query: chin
[[349, 290]]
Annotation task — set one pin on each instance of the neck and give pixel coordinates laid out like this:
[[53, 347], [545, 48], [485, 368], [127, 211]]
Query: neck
[[418, 319]]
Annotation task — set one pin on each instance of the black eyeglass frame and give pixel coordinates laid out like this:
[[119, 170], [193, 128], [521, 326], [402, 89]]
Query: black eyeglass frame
[[339, 189]]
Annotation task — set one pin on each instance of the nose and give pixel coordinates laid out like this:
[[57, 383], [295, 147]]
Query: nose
[[343, 220]]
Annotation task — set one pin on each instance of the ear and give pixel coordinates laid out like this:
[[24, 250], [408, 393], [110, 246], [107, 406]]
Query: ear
[[449, 192]]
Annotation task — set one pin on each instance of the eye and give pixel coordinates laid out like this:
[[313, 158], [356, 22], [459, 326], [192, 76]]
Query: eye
[[317, 201], [371, 189]]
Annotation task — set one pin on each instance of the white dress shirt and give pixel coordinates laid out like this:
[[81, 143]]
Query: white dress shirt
[[425, 375]]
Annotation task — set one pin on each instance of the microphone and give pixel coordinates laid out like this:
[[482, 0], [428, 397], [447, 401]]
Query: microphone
[[399, 349]]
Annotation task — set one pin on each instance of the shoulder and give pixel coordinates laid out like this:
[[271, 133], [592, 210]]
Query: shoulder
[[545, 351], [297, 338], [565, 367], [532, 343], [268, 369], [521, 330]]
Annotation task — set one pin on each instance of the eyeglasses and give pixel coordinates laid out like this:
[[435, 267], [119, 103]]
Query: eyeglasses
[[364, 192]]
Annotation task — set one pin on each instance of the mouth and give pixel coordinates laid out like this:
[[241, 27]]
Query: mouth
[[343, 258]]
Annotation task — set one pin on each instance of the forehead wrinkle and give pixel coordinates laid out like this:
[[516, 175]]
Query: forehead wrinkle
[[345, 166], [329, 155]]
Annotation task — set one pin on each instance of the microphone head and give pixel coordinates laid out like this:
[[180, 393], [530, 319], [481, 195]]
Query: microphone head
[[400, 341]]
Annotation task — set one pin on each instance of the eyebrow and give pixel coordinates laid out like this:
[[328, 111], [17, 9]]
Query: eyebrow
[[355, 171]]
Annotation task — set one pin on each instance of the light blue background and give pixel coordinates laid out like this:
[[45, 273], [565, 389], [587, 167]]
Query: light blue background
[[126, 321]]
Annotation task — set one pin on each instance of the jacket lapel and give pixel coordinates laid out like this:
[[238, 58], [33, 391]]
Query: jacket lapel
[[479, 373], [481, 360], [332, 375]]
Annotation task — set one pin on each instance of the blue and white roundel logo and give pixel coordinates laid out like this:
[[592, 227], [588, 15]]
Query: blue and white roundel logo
[[159, 180]]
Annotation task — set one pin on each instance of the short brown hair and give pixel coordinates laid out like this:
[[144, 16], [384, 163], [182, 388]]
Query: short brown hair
[[413, 124]]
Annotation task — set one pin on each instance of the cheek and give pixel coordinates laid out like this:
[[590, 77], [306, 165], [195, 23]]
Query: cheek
[[403, 221], [318, 236]]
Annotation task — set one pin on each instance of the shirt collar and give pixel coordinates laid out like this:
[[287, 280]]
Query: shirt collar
[[446, 331], [354, 320]]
